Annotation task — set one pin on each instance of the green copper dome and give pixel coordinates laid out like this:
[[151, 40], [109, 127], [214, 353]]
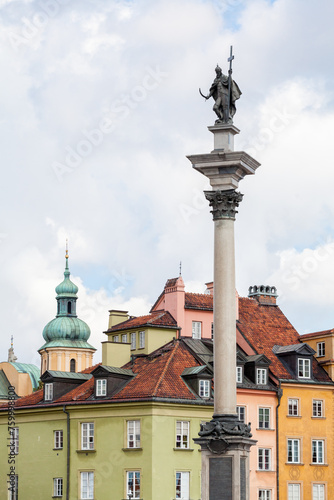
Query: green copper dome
[[66, 328]]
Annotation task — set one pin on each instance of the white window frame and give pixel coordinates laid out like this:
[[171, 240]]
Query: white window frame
[[133, 478], [13, 495], [133, 337], [182, 434], [142, 339], [304, 368], [180, 478], [264, 459], [87, 435], [241, 410], [101, 387], [57, 486], [293, 405], [294, 491], [317, 451], [58, 440], [14, 440], [204, 388], [264, 494], [212, 331], [318, 491], [124, 338], [86, 485], [116, 338], [321, 349], [133, 433], [261, 376], [197, 329], [293, 451], [264, 417], [317, 408], [239, 374], [48, 392]]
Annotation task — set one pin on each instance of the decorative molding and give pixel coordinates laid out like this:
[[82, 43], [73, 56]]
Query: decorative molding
[[223, 203]]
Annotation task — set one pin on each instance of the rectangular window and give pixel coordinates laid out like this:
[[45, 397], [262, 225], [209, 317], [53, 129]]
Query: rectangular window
[[182, 434], [116, 338], [239, 374], [264, 459], [264, 418], [58, 487], [101, 387], [241, 411], [13, 487], [320, 349], [14, 440], [133, 433], [133, 484], [318, 448], [197, 329], [87, 485], [264, 495], [87, 436], [318, 492], [293, 491], [317, 408], [261, 376], [212, 331], [204, 388], [304, 368], [133, 341], [48, 392], [124, 338], [182, 485], [293, 407], [294, 451], [58, 440], [141, 340]]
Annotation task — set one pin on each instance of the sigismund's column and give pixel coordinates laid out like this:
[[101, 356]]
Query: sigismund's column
[[225, 441]]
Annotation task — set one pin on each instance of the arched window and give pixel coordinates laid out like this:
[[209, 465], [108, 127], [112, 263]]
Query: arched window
[[58, 307], [69, 307], [72, 365]]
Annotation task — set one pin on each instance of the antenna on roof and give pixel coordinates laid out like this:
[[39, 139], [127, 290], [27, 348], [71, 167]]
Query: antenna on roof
[[180, 268]]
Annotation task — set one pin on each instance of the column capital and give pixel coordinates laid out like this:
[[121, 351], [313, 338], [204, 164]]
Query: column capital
[[223, 203]]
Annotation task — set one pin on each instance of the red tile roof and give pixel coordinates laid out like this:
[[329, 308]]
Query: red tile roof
[[316, 334], [263, 327], [203, 301], [156, 318]]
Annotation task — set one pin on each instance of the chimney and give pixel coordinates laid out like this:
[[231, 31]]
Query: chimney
[[209, 288], [116, 317], [265, 295]]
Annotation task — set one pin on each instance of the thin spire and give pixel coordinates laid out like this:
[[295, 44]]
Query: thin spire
[[67, 271], [180, 268], [12, 341]]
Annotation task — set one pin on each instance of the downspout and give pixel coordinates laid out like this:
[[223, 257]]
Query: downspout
[[68, 455], [279, 397]]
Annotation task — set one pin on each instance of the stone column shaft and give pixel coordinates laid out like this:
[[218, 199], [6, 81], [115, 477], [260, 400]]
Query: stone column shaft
[[224, 318]]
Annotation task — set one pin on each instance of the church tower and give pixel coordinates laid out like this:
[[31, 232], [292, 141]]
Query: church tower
[[66, 347]]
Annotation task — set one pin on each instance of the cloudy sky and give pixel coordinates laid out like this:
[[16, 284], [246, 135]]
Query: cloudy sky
[[99, 108]]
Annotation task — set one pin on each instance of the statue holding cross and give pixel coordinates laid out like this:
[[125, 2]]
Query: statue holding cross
[[225, 92]]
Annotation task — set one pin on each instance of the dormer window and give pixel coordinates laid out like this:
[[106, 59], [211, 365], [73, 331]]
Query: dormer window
[[101, 387], [239, 374], [204, 388], [261, 376], [304, 368], [48, 392], [69, 307]]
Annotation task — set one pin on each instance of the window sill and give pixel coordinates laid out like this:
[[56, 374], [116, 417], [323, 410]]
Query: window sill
[[86, 451], [294, 463], [318, 418], [132, 449], [183, 449], [319, 465], [265, 470], [57, 449], [264, 429], [294, 416]]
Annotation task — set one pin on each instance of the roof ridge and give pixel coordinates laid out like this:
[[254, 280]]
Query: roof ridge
[[164, 370]]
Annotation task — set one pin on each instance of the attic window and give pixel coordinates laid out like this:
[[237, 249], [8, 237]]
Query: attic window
[[320, 349], [101, 387], [204, 388], [239, 374], [304, 368], [48, 392], [261, 376], [69, 307], [72, 365]]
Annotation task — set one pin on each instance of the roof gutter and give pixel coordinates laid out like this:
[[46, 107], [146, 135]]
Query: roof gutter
[[68, 455]]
